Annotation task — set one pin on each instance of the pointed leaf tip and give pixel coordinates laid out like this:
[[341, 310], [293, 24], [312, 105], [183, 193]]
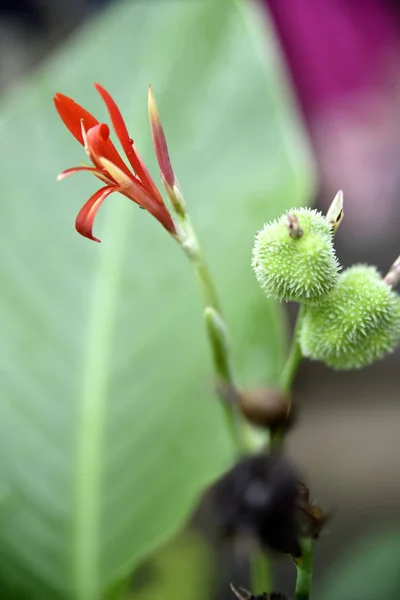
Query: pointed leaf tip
[[335, 212], [159, 141]]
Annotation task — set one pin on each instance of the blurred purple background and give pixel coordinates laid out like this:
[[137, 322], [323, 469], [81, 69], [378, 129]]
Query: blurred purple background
[[344, 60]]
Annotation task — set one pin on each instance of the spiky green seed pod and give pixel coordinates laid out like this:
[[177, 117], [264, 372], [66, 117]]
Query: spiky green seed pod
[[294, 258], [356, 324]]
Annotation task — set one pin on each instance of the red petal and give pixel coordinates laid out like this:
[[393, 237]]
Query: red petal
[[159, 141], [141, 196], [85, 218], [72, 114], [162, 215], [133, 189], [68, 172], [127, 144], [100, 146]]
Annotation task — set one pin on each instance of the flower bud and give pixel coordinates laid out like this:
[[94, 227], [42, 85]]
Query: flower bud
[[392, 277], [356, 324], [334, 216], [265, 407], [294, 258]]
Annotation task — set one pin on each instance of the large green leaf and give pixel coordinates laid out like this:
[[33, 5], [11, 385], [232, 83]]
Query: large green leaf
[[109, 429], [368, 570], [181, 570]]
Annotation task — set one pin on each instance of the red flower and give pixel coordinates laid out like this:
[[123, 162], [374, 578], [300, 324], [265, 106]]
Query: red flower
[[135, 183]]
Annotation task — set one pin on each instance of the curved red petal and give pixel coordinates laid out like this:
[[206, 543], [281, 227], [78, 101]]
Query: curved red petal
[[72, 114], [99, 146], [85, 218], [68, 172], [127, 143]]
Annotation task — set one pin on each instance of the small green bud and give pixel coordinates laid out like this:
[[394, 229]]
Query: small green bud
[[357, 323], [294, 258]]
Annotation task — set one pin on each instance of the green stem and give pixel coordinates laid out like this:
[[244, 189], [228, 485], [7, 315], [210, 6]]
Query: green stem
[[288, 374], [207, 287], [261, 578], [217, 335], [220, 349], [304, 567], [294, 358]]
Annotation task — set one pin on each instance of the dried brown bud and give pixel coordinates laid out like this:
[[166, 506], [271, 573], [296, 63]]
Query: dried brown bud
[[265, 407], [293, 225], [312, 518], [258, 497], [243, 594]]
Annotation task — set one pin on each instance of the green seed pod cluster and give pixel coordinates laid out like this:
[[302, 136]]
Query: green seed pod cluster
[[354, 325], [298, 265], [348, 321]]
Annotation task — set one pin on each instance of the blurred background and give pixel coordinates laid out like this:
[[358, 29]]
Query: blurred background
[[342, 59]]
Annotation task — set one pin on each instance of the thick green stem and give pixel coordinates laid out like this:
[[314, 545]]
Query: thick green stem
[[294, 358], [288, 374], [304, 567]]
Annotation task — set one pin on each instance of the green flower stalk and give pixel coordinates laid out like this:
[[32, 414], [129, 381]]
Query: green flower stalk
[[130, 177], [356, 324], [294, 258]]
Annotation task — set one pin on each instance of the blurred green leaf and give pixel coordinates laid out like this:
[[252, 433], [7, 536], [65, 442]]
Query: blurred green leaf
[[109, 428], [181, 570], [368, 570]]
